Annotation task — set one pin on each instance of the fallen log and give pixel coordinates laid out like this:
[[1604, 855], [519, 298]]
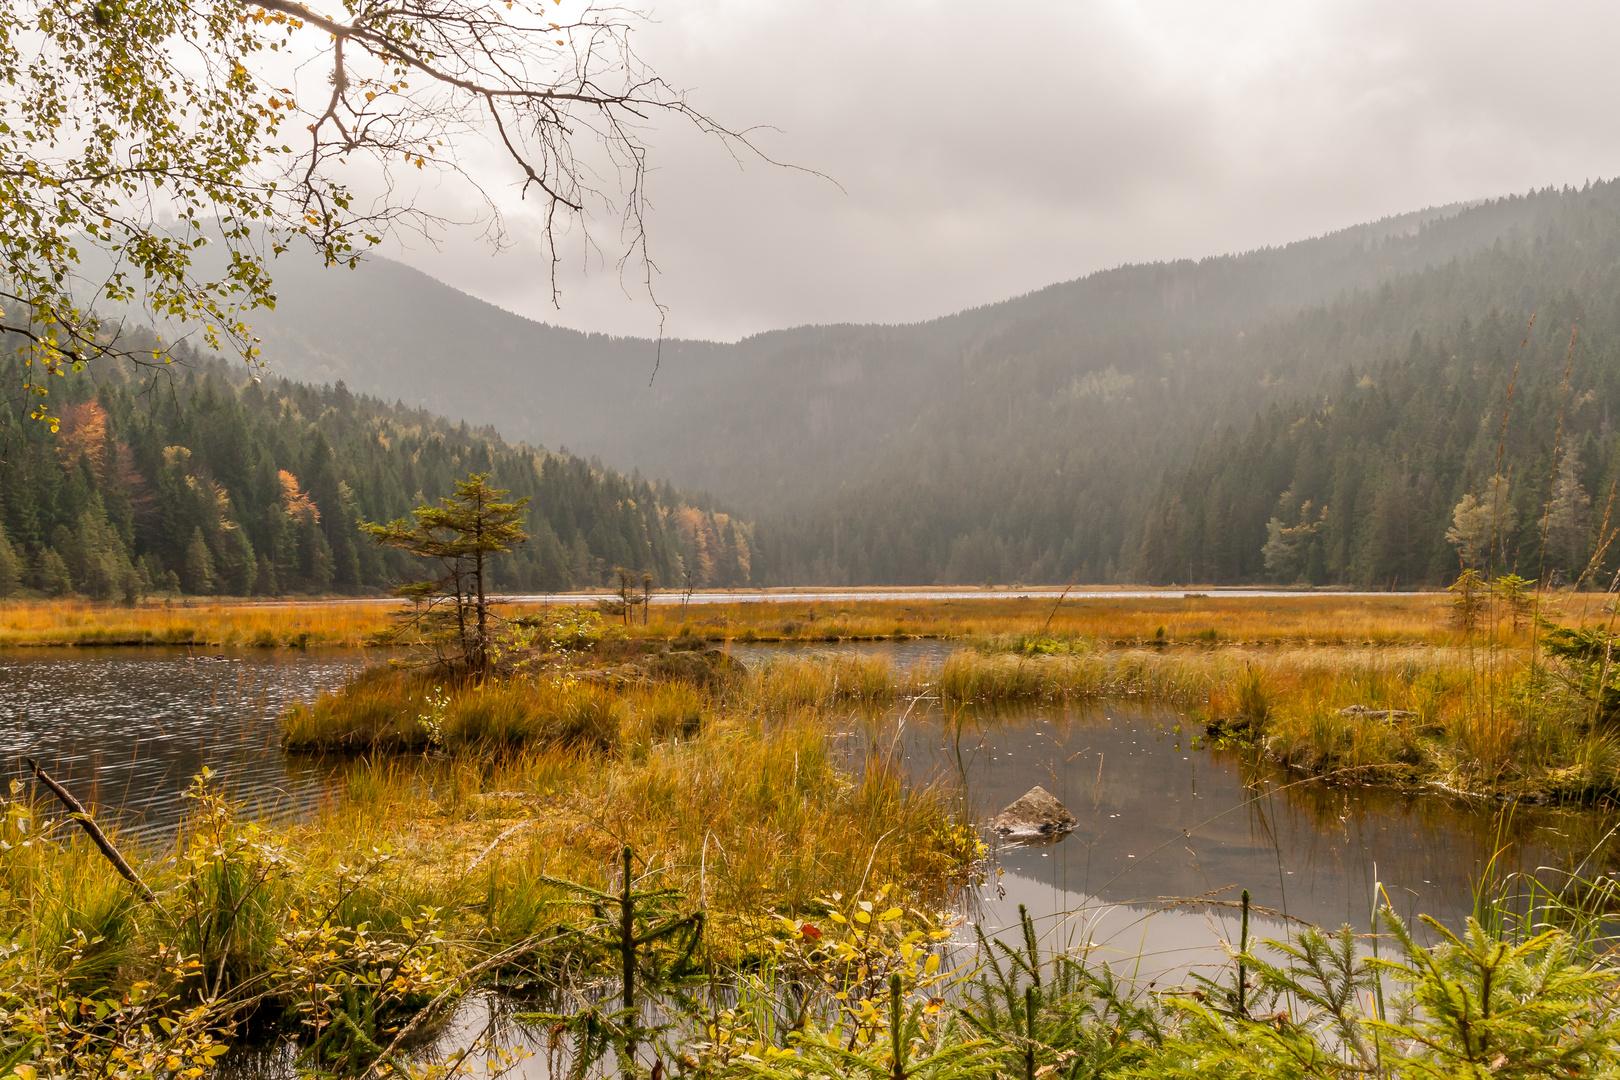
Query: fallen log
[[1367, 713]]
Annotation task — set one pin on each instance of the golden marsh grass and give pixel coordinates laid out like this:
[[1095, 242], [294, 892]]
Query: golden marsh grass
[[1306, 618]]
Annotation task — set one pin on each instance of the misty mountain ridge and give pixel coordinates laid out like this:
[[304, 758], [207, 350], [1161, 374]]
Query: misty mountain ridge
[[382, 325], [1021, 439]]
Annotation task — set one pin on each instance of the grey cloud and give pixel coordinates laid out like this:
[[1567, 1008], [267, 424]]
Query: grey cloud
[[987, 150]]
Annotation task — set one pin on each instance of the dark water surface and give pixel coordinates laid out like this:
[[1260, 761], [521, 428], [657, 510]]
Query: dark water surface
[[1164, 820], [127, 729]]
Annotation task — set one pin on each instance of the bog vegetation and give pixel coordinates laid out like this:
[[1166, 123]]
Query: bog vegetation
[[664, 863]]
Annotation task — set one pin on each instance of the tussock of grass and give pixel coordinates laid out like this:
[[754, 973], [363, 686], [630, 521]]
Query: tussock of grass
[[1484, 722], [970, 677], [803, 682], [387, 710]]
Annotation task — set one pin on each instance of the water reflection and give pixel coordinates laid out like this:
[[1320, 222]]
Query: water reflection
[[1162, 819], [126, 730]]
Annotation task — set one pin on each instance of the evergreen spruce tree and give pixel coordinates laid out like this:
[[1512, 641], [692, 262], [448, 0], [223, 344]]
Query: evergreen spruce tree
[[237, 564], [457, 538], [51, 575], [199, 567], [10, 567]]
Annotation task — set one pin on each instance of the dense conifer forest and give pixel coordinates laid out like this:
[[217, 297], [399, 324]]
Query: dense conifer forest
[[196, 479], [1387, 477], [1319, 413], [1340, 438], [1136, 424]]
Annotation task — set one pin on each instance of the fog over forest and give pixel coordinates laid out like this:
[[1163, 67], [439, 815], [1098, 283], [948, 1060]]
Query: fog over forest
[[1143, 424], [1329, 412]]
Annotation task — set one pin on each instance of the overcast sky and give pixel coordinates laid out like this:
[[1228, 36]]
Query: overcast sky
[[984, 150]]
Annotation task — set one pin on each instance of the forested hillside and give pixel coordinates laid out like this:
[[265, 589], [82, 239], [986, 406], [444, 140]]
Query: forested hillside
[[1052, 457], [1363, 486], [1428, 388], [1098, 429], [203, 481], [1025, 440]]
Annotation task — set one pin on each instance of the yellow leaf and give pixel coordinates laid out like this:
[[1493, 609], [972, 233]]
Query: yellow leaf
[[932, 964]]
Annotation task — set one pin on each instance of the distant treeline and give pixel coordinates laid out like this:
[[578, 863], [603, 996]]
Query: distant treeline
[[1178, 432], [197, 479], [1388, 480]]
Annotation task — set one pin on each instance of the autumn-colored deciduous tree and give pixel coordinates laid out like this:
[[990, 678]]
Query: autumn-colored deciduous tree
[[1481, 526], [144, 131], [451, 609]]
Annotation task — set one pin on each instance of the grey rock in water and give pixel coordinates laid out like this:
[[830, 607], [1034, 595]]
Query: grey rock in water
[[1036, 813]]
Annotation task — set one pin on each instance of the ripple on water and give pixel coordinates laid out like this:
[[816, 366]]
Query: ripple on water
[[127, 729]]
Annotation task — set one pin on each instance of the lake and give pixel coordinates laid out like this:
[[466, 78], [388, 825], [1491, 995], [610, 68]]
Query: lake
[[127, 729]]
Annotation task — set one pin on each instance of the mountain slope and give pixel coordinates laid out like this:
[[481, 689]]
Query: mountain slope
[[213, 483], [391, 330], [1023, 439]]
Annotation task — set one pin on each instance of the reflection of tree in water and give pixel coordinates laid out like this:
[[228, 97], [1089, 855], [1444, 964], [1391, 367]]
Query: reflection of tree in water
[[1310, 847], [1318, 819]]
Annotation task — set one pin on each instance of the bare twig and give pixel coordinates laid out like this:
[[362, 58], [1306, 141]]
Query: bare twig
[[495, 843], [88, 824], [1061, 596], [432, 1007]]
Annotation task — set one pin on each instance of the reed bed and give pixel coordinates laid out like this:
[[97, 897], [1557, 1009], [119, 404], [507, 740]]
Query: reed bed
[[219, 624], [1000, 622], [970, 676], [1172, 679], [1476, 722], [1308, 618], [799, 682], [1480, 721]]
